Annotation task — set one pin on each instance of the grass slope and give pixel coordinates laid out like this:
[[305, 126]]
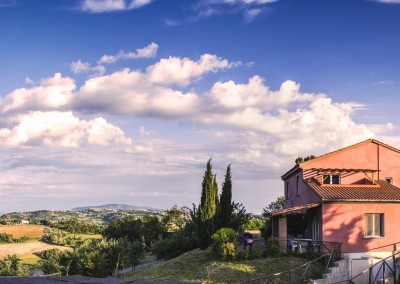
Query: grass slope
[[201, 266]]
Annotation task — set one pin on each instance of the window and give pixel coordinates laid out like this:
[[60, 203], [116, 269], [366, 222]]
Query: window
[[374, 225], [389, 180], [287, 190], [298, 186], [331, 179]]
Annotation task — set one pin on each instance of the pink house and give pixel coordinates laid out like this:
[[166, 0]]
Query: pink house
[[350, 196]]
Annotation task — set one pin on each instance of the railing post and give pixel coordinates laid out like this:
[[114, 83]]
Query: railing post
[[383, 271], [394, 269], [370, 276]]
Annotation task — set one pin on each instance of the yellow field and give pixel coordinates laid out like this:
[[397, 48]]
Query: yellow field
[[17, 231], [29, 250]]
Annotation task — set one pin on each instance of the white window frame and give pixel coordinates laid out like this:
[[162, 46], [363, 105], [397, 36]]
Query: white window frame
[[330, 179], [372, 225]]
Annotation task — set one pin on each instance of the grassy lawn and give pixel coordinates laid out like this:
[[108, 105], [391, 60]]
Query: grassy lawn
[[201, 266]]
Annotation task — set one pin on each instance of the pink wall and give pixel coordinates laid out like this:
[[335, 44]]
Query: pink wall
[[389, 164], [305, 196], [363, 156], [345, 222]]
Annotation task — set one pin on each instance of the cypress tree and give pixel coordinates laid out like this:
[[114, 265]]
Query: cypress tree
[[225, 207], [207, 208]]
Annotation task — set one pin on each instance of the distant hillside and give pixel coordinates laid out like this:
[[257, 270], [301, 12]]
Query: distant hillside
[[116, 207]]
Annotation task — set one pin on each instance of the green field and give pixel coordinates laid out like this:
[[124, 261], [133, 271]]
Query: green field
[[201, 266]]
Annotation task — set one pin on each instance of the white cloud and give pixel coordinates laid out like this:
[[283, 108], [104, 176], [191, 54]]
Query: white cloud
[[251, 14], [288, 117], [60, 129], [28, 80], [53, 93], [78, 67], [388, 1], [145, 52], [182, 71], [104, 6]]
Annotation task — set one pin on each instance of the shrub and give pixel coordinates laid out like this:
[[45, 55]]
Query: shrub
[[272, 245], [224, 244], [174, 245]]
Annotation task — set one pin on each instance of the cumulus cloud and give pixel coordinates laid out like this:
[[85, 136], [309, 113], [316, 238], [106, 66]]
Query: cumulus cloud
[[104, 6], [60, 129], [182, 71], [53, 93], [145, 52], [289, 117]]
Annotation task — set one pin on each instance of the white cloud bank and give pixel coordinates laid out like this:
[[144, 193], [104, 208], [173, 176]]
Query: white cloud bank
[[289, 117]]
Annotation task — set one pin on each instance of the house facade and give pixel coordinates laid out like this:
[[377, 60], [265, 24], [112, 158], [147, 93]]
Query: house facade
[[350, 196]]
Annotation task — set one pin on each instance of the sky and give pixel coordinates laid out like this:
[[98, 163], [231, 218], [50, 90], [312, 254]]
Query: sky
[[125, 101]]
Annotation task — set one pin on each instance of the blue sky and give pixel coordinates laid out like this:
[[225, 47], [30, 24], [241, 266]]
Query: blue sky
[[113, 101]]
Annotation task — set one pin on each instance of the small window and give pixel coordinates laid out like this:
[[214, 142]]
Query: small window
[[287, 190], [389, 180], [298, 186], [374, 225], [331, 179]]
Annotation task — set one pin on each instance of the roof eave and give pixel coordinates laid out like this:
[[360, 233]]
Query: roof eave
[[290, 172]]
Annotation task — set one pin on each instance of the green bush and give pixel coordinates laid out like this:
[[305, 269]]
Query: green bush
[[272, 245], [176, 244], [224, 244]]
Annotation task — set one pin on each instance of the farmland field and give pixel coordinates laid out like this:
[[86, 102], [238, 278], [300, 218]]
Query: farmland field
[[17, 231], [27, 250]]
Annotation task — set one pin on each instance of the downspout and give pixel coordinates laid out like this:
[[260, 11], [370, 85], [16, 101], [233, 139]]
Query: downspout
[[379, 170]]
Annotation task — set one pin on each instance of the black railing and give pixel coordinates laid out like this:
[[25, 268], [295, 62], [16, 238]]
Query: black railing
[[329, 253]]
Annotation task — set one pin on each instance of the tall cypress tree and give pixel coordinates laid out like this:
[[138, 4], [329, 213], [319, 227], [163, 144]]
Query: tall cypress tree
[[225, 206], [207, 208]]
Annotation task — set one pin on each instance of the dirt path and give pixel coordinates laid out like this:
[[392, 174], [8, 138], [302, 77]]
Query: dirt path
[[26, 249]]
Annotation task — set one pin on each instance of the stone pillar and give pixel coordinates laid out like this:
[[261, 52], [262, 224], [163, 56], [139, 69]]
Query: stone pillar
[[283, 234]]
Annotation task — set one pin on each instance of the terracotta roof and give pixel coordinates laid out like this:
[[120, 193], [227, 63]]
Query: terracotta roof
[[294, 209], [381, 191]]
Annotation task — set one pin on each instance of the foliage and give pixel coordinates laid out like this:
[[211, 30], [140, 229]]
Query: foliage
[[93, 257], [224, 244], [239, 217], [274, 205], [129, 227], [207, 209], [174, 245], [254, 224], [78, 227], [175, 218], [11, 266], [272, 245], [6, 238], [144, 231], [152, 229], [225, 208], [54, 236], [300, 160]]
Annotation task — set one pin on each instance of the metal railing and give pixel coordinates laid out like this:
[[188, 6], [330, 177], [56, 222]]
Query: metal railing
[[329, 251], [381, 272]]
